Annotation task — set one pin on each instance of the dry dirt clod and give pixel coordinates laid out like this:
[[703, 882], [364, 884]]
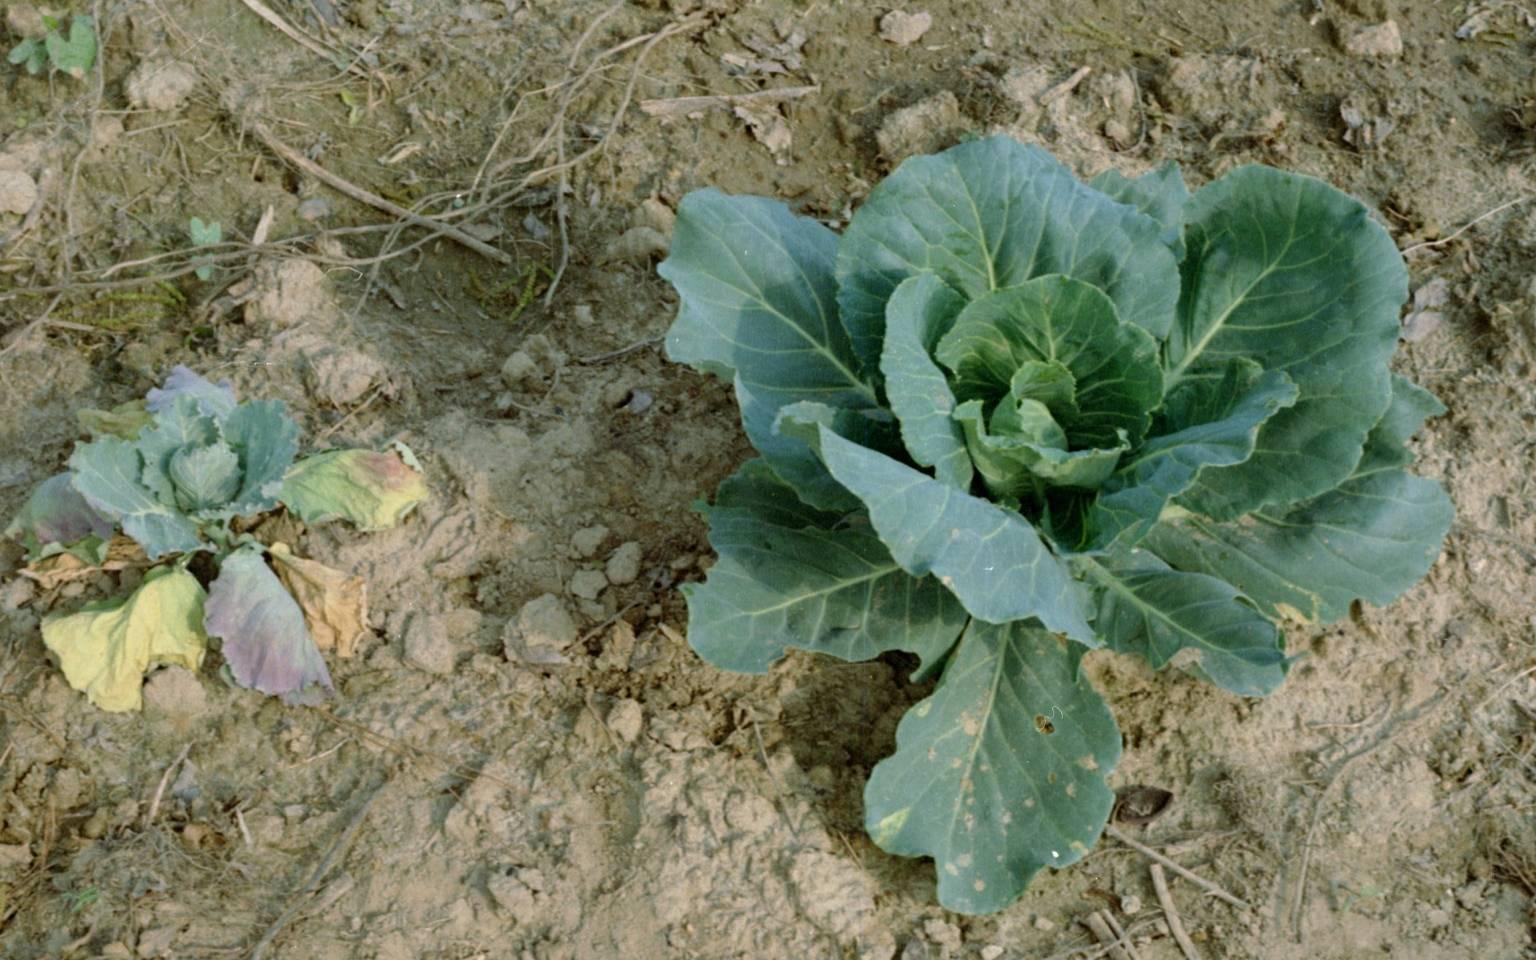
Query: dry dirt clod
[[1425, 317], [625, 718], [588, 540], [161, 85], [925, 127], [175, 692], [18, 192], [904, 29], [287, 293], [512, 897], [428, 645], [833, 893], [637, 245], [1383, 40], [587, 584], [943, 933], [25, 20], [519, 369], [542, 628], [624, 565]]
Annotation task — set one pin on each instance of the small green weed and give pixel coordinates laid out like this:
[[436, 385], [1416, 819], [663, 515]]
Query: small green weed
[[73, 54], [205, 235]]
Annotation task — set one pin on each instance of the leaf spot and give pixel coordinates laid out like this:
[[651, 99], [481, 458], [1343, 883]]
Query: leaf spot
[[1044, 724], [1087, 762], [979, 885]]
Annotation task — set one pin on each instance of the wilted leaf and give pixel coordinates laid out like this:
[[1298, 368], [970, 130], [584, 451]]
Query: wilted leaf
[[105, 648], [124, 420], [120, 553], [335, 605], [54, 515], [375, 491], [265, 638]]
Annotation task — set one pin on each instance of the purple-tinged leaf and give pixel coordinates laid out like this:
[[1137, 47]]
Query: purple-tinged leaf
[[266, 642], [56, 514], [214, 400]]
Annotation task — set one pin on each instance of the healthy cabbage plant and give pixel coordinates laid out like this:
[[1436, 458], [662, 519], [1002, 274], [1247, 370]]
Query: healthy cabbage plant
[[189, 471], [1007, 418]]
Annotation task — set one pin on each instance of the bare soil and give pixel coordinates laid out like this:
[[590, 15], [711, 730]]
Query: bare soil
[[456, 800]]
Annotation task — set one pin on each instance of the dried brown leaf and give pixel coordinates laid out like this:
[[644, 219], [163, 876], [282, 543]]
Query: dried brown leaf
[[61, 568], [335, 605]]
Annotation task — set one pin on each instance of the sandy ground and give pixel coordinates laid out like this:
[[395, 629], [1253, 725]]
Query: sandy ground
[[458, 801]]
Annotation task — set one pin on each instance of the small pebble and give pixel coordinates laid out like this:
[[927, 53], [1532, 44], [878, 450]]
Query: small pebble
[[991, 952], [1044, 924], [1130, 904]]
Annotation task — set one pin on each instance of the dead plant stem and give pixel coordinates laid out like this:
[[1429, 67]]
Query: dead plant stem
[[1213, 889], [357, 193], [1171, 913], [338, 847]]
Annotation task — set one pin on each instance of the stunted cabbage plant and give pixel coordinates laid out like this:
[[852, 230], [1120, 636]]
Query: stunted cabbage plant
[[189, 471]]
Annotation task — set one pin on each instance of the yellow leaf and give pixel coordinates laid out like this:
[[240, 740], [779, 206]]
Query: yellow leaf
[[105, 648], [335, 605]]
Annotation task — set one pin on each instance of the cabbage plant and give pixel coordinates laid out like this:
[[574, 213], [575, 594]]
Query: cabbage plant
[[1007, 418], [189, 471]]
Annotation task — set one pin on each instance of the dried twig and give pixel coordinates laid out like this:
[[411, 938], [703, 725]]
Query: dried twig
[[1094, 953], [1171, 912], [1213, 889], [1120, 937], [407, 749], [1431, 244], [1064, 87], [165, 779], [1104, 930], [684, 105], [1388, 730], [15, 339], [372, 199], [621, 352], [16, 710], [302, 39], [321, 869]]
